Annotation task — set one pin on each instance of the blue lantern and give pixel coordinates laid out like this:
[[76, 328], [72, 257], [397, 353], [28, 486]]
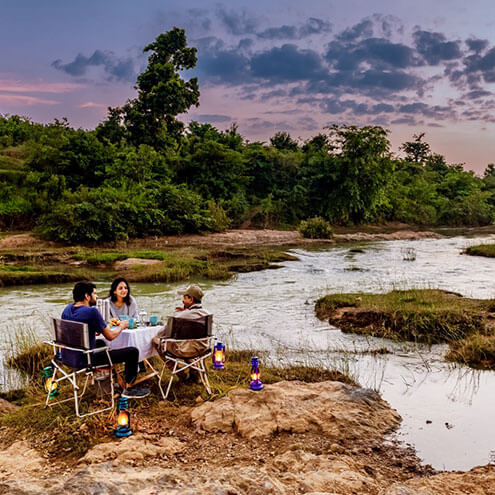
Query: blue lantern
[[123, 418], [219, 356], [255, 375]]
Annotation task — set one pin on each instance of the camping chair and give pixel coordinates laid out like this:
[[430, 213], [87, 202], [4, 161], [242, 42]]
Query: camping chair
[[183, 331], [74, 336]]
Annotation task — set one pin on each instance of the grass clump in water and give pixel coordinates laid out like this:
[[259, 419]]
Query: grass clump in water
[[487, 250], [419, 315], [476, 351]]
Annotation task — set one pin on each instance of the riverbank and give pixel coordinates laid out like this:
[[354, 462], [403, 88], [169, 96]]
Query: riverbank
[[25, 259], [303, 432], [419, 315], [308, 431]]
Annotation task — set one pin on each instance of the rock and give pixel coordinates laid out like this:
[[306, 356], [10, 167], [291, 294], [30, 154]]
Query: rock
[[337, 409], [131, 262], [134, 450], [478, 481], [6, 406], [19, 459]]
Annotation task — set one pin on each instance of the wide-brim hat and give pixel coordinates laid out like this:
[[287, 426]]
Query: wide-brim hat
[[192, 291]]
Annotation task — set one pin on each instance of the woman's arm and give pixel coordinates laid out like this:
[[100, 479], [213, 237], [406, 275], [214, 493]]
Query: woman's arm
[[133, 308]]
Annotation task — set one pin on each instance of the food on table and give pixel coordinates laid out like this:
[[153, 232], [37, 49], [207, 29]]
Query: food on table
[[114, 322]]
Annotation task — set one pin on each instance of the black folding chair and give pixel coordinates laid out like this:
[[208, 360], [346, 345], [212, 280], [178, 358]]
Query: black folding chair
[[74, 336], [194, 331]]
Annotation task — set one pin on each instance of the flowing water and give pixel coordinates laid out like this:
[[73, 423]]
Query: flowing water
[[447, 410]]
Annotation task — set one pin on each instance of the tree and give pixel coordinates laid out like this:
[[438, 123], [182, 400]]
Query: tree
[[350, 181], [151, 118], [416, 151], [283, 142]]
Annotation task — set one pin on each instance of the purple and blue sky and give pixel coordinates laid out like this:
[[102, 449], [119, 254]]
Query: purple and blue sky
[[423, 66]]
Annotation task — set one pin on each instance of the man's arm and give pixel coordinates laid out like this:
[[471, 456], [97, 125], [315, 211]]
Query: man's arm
[[112, 333]]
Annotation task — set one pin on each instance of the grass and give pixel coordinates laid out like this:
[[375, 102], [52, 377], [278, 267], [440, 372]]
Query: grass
[[175, 264], [476, 351], [487, 250], [62, 435], [419, 315], [24, 275]]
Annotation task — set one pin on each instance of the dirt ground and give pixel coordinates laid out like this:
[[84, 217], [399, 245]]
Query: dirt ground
[[236, 237]]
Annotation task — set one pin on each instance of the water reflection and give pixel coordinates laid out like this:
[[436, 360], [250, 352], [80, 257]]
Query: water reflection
[[273, 311]]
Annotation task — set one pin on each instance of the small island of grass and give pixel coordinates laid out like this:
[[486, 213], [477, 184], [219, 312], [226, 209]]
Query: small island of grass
[[419, 315], [486, 250]]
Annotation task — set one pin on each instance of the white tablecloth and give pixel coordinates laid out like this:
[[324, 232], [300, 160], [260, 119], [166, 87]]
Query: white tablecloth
[[140, 337]]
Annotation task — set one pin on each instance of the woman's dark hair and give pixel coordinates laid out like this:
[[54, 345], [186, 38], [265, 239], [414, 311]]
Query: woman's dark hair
[[81, 289], [113, 288]]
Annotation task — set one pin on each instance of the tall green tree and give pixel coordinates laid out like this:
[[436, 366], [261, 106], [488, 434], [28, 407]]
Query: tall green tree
[[151, 118]]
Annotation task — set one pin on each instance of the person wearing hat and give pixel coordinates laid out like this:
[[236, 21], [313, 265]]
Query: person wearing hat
[[192, 309]]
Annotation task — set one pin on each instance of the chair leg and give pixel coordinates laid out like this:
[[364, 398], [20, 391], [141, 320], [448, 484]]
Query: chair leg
[[204, 377], [171, 379]]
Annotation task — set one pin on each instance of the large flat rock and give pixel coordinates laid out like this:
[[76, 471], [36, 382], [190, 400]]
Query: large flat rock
[[333, 408]]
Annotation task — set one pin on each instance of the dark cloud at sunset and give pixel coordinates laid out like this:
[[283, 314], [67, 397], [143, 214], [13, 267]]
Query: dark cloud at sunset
[[399, 68]]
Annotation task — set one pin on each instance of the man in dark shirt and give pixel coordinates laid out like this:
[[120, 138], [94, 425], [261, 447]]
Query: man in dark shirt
[[83, 310]]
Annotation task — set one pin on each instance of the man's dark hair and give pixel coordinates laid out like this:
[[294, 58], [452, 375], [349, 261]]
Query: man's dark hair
[[196, 301], [81, 289]]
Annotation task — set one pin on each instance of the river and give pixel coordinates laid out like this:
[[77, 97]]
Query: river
[[447, 409]]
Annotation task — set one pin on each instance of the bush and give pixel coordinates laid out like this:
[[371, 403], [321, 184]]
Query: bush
[[315, 228]]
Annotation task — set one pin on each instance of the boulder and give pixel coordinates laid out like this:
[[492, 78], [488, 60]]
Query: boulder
[[334, 408], [133, 450], [6, 406], [478, 481], [132, 262]]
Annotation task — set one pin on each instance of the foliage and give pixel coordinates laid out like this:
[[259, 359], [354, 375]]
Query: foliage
[[315, 228], [141, 172]]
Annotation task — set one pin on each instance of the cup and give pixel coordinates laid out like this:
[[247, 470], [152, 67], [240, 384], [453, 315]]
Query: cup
[[132, 322], [153, 320]]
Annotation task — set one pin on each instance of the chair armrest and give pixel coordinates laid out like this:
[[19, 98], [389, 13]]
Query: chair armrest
[[203, 339], [76, 349]]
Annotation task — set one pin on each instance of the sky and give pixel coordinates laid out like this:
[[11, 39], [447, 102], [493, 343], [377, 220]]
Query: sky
[[411, 67]]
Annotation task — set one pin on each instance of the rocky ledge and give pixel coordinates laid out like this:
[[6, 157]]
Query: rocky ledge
[[291, 437]]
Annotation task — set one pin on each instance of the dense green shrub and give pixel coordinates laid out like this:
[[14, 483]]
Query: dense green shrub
[[315, 228]]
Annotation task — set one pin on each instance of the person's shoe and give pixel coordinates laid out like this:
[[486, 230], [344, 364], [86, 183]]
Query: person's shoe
[[135, 393], [193, 378]]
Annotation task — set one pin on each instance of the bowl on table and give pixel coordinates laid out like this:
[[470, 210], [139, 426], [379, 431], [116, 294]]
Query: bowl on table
[[153, 320]]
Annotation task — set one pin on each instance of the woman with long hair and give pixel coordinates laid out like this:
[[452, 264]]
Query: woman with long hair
[[121, 301]]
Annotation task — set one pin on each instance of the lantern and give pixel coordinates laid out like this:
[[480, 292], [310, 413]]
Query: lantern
[[219, 356], [255, 375], [123, 418], [49, 385]]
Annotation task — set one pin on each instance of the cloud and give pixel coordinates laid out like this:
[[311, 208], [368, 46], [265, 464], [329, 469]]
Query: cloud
[[220, 65], [212, 118], [92, 104], [314, 26], [287, 63], [24, 100], [434, 48], [279, 33], [436, 111], [360, 30], [237, 23], [476, 94], [377, 52], [121, 69], [476, 45], [13, 86]]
